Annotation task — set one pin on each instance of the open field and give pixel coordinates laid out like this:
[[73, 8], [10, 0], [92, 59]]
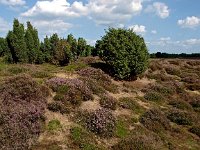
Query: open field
[[82, 107]]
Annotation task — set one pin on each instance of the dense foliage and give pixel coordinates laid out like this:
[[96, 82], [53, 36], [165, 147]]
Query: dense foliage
[[124, 51], [22, 103], [23, 46]]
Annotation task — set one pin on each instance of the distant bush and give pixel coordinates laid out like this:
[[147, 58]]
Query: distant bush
[[73, 90], [154, 96], [108, 101], [17, 70], [195, 130], [22, 104], [99, 78], [130, 103], [155, 120], [172, 70], [140, 139], [179, 104], [58, 107], [101, 122], [124, 51], [180, 117]]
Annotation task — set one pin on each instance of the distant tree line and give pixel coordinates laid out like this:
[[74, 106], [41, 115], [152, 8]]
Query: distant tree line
[[182, 55], [23, 46]]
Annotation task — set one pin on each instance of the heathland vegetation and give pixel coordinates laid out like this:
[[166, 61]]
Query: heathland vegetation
[[55, 95]]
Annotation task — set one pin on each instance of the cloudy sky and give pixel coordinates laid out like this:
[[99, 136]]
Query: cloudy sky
[[171, 26]]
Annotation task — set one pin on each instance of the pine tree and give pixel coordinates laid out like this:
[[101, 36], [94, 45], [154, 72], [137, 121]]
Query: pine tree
[[81, 46], [73, 45], [19, 42], [46, 50]]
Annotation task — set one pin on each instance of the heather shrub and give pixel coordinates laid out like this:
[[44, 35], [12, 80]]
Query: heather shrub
[[153, 96], [189, 77], [58, 97], [108, 101], [140, 139], [179, 104], [58, 107], [130, 103], [162, 89], [22, 104], [193, 63], [17, 70], [40, 74], [194, 86], [195, 130], [101, 122], [180, 117], [73, 90], [172, 70], [54, 125], [155, 120], [99, 77], [159, 77]]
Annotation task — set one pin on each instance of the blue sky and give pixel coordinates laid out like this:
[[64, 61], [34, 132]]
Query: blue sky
[[171, 26]]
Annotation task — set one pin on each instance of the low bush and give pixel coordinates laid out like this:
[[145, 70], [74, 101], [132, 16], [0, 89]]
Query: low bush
[[193, 63], [102, 122], [58, 97], [58, 107], [194, 86], [109, 102], [179, 104], [172, 70], [154, 96], [22, 104], [195, 130], [73, 90], [40, 74], [130, 103], [155, 120], [100, 78], [140, 139], [180, 117], [17, 70]]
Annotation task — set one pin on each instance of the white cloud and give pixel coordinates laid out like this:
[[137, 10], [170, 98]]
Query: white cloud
[[113, 12], [138, 28], [13, 2], [189, 22], [154, 32], [160, 9], [53, 26], [103, 12], [165, 38], [56, 8], [192, 42]]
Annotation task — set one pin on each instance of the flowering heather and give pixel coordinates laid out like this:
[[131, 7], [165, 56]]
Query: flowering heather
[[99, 78], [76, 92], [108, 101], [101, 122], [97, 74], [22, 104]]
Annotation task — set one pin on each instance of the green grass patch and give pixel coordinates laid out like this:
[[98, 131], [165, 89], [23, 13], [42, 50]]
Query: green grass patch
[[54, 125], [121, 129], [131, 103]]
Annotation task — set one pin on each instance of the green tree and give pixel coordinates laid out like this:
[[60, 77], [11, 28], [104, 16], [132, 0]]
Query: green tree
[[31, 51], [3, 46], [19, 43], [81, 47], [63, 52], [73, 45], [124, 51], [46, 50]]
